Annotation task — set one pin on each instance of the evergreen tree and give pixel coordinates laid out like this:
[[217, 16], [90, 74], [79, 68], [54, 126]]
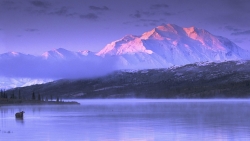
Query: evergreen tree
[[12, 96], [2, 93], [19, 94], [33, 96], [39, 97]]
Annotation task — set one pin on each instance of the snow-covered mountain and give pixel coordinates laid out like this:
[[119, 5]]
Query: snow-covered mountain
[[63, 54], [18, 69], [169, 44], [7, 83], [163, 46]]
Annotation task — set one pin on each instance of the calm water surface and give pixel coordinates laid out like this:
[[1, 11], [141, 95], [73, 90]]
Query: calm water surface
[[136, 120]]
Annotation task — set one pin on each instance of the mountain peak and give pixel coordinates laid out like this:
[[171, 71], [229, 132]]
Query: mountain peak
[[14, 53], [58, 53], [170, 31], [176, 45], [129, 37], [164, 46], [11, 54], [85, 52], [130, 44], [167, 27]]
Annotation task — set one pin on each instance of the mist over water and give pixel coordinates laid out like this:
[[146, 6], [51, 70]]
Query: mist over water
[[130, 119]]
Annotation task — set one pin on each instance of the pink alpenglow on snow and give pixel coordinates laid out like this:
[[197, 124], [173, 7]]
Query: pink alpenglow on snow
[[161, 47]]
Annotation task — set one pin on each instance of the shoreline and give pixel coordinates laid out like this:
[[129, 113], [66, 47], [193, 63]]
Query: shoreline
[[7, 102]]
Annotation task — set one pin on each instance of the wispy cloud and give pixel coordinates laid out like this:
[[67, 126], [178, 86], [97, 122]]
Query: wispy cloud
[[168, 13], [152, 10], [148, 13], [40, 4], [158, 6], [247, 32], [151, 20], [50, 8], [96, 8], [9, 4], [63, 11], [137, 14], [145, 22], [89, 16], [231, 28]]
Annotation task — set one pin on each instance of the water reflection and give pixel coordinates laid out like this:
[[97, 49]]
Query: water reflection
[[20, 121], [131, 120]]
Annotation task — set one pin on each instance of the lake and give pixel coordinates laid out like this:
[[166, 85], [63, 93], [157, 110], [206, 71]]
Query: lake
[[129, 119]]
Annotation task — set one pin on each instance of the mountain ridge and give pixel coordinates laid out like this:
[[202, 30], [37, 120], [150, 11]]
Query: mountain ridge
[[176, 45], [229, 79], [162, 47]]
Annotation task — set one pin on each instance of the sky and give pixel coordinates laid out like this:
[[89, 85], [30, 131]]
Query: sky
[[36, 26]]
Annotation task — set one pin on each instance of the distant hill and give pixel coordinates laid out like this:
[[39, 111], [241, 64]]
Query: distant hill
[[229, 79]]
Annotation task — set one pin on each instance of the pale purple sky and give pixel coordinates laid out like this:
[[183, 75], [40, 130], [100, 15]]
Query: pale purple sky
[[36, 26]]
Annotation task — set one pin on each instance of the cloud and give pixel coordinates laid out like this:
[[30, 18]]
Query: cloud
[[151, 20], [37, 7], [96, 8], [158, 6], [145, 22], [247, 32], [231, 28], [89, 16], [31, 30], [40, 4], [148, 13], [239, 40], [63, 11], [7, 3], [10, 5], [168, 14], [35, 67], [153, 11], [136, 15]]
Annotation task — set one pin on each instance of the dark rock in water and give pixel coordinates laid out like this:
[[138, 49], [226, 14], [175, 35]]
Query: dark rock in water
[[19, 114]]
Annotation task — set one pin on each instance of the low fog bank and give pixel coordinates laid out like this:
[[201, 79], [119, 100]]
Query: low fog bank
[[138, 100], [56, 69]]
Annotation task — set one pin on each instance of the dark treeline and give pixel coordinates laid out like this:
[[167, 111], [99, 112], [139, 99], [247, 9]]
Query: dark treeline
[[13, 95], [3, 94]]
